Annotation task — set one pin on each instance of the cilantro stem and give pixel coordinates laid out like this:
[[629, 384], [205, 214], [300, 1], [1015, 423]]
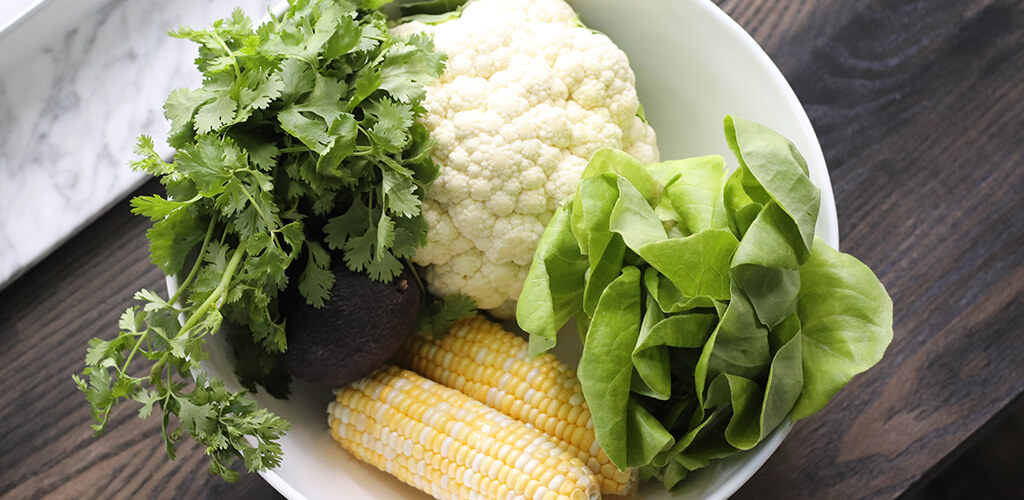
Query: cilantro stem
[[120, 373], [294, 149], [416, 275], [195, 266], [266, 221], [218, 293], [234, 60], [365, 132]]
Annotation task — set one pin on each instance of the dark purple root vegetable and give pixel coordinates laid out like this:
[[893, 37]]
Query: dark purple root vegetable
[[359, 328]]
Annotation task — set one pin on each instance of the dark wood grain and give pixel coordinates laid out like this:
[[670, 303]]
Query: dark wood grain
[[919, 107]]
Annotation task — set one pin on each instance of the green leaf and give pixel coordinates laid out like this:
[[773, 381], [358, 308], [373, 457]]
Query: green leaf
[[846, 323], [197, 419], [343, 134], [739, 206], [156, 207], [180, 107], [697, 265], [741, 344], [613, 161], [771, 241], [785, 383], [553, 290], [298, 79], [309, 119], [651, 353], [743, 395], [367, 81], [339, 229], [131, 320], [408, 66], [344, 40], [779, 168], [645, 435], [384, 267], [605, 250], [427, 7], [259, 96], [410, 233], [696, 191], [400, 194], [214, 115], [317, 279], [99, 349], [390, 124], [147, 398], [99, 393], [634, 219], [441, 314], [171, 239], [259, 147], [210, 163], [605, 367]]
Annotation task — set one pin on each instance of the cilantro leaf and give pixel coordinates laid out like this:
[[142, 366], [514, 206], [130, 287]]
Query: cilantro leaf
[[317, 278], [391, 121], [197, 419], [215, 114], [171, 239], [400, 194], [268, 88], [440, 314], [408, 65], [155, 206], [340, 228], [180, 107]]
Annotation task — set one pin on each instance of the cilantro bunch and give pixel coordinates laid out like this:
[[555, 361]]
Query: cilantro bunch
[[301, 140]]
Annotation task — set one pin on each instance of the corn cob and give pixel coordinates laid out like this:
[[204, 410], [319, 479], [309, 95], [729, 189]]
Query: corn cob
[[493, 366], [449, 445]]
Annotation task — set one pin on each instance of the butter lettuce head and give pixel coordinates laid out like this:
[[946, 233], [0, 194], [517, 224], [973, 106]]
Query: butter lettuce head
[[709, 310]]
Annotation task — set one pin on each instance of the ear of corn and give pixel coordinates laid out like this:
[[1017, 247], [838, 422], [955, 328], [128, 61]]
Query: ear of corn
[[493, 366], [449, 445]]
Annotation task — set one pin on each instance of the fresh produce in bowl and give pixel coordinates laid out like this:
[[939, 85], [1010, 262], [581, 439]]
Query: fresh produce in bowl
[[317, 139]]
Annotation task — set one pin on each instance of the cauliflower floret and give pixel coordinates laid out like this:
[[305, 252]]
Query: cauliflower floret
[[527, 96]]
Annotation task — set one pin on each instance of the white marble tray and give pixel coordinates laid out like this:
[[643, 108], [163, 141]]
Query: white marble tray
[[79, 81]]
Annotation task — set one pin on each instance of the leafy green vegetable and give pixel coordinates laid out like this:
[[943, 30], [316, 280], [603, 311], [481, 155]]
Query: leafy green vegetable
[[302, 139], [556, 288], [714, 314], [846, 323], [605, 367]]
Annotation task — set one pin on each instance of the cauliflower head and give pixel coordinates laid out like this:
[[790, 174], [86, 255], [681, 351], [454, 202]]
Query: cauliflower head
[[527, 96]]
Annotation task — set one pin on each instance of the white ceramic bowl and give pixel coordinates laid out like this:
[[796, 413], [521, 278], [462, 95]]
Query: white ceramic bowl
[[693, 65]]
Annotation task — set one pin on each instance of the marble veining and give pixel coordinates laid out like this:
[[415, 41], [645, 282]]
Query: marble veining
[[79, 81]]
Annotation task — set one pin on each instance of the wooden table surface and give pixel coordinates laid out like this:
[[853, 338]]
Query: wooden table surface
[[919, 106]]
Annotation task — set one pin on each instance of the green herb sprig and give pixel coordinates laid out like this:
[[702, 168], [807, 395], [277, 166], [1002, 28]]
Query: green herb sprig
[[301, 140]]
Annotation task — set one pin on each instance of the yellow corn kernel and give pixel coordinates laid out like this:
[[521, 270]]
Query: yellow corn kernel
[[447, 444], [493, 366]]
